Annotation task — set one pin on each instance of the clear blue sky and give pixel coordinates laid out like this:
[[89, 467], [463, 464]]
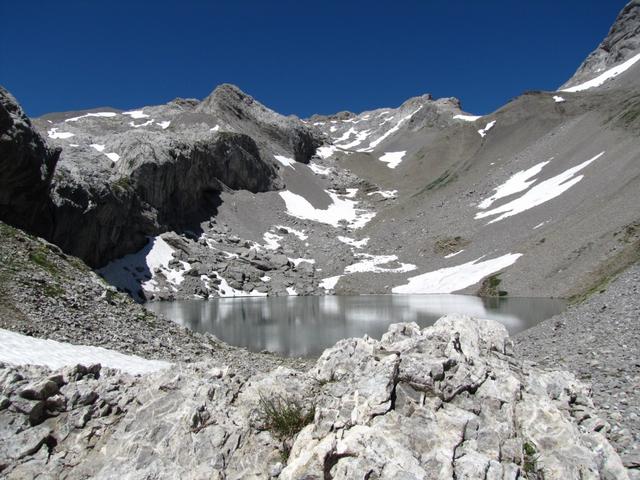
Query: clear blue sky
[[298, 57]]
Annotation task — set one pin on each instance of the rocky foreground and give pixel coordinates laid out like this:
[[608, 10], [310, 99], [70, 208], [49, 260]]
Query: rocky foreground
[[448, 401]]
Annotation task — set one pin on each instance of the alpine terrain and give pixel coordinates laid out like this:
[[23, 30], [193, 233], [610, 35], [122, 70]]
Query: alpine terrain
[[103, 210]]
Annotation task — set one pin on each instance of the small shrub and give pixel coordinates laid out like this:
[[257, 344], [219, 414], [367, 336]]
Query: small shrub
[[530, 458], [39, 257], [284, 417], [489, 287]]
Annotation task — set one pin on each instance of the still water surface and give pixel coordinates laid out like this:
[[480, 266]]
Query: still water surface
[[305, 326]]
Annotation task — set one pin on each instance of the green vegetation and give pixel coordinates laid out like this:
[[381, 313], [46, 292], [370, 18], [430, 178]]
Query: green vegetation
[[53, 290], [599, 279], [123, 183], [448, 245], [529, 459], [489, 287], [284, 418], [444, 179], [40, 258]]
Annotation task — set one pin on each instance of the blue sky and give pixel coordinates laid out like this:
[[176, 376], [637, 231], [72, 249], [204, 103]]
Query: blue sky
[[299, 57]]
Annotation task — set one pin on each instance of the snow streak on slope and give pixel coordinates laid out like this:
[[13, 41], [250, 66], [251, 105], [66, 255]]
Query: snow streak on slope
[[517, 183], [602, 78], [467, 118], [341, 210], [96, 114], [374, 264], [483, 131], [392, 159], [392, 130], [452, 279], [285, 161], [540, 193], [20, 349]]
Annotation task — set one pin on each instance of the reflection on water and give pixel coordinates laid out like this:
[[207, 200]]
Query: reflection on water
[[305, 326]]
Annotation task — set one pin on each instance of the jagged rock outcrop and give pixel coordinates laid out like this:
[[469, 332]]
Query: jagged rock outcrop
[[27, 164], [448, 401], [621, 43], [272, 131]]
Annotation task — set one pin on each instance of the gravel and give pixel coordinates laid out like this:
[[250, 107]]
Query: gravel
[[599, 341]]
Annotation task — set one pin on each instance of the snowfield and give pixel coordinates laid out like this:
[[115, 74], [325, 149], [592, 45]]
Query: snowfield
[[20, 349], [452, 279]]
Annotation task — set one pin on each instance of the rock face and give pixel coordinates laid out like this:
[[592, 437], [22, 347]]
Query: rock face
[[622, 42], [449, 401], [122, 178], [272, 131], [27, 164]]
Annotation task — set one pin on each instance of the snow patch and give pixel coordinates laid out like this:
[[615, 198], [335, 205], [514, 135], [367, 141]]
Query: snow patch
[[353, 242], [148, 122], [392, 130], [329, 283], [137, 114], [360, 137], [285, 161], [609, 74], [96, 114], [558, 99], [373, 264], [215, 129], [298, 233], [540, 193], [225, 290], [385, 193], [517, 183], [164, 125], [452, 279], [392, 159], [451, 255], [298, 261], [114, 157], [20, 349], [488, 126], [97, 147], [467, 118], [318, 170], [271, 241], [140, 269], [291, 291], [341, 210], [326, 151], [53, 133]]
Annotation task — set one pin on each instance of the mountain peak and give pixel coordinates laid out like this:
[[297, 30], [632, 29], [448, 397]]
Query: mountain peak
[[621, 43]]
